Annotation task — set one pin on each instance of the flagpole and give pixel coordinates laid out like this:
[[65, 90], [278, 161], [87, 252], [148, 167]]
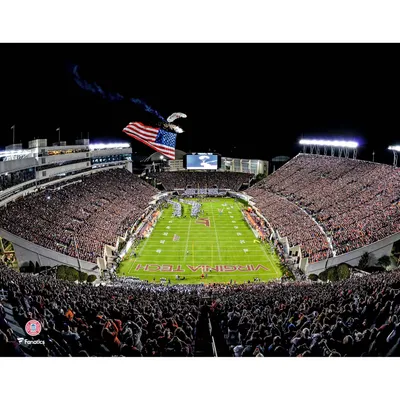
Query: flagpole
[[13, 128]]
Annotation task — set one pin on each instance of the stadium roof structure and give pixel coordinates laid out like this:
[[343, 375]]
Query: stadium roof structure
[[179, 154]]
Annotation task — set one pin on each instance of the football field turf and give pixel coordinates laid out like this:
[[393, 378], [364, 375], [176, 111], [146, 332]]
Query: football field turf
[[219, 244]]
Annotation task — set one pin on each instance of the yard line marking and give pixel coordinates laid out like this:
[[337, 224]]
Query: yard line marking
[[216, 234], [187, 242]]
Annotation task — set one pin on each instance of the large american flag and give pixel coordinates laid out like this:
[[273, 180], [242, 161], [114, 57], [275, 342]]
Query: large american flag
[[156, 138]]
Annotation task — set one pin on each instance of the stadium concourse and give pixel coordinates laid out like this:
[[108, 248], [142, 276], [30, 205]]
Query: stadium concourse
[[355, 317]]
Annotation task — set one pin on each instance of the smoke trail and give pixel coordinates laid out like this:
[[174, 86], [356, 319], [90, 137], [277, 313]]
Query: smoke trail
[[95, 88]]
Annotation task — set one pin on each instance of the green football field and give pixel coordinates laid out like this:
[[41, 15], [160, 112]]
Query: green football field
[[219, 244]]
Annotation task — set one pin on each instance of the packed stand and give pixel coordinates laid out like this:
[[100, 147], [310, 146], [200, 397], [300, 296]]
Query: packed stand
[[84, 320], [258, 224], [101, 207], [352, 318], [202, 180], [292, 222], [355, 202]]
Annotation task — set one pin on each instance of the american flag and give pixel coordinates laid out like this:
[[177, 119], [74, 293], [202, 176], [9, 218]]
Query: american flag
[[176, 238], [156, 138]]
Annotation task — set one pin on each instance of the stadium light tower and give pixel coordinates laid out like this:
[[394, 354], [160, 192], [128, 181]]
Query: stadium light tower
[[395, 150], [343, 147]]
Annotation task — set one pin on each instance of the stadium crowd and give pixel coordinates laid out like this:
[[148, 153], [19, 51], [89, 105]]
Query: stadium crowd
[[183, 179], [98, 209], [84, 320], [292, 222], [355, 202], [356, 317]]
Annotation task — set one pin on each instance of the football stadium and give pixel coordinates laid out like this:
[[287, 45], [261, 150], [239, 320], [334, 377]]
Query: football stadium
[[183, 261], [126, 245]]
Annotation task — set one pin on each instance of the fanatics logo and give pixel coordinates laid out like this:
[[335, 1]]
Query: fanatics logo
[[33, 327], [27, 341]]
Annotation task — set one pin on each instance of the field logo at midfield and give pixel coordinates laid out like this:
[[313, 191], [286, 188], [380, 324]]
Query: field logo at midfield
[[204, 221]]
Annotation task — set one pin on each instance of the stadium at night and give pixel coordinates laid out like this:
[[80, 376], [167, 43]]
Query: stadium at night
[[150, 238]]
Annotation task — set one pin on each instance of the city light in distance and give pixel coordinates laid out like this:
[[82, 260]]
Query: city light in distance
[[334, 143]]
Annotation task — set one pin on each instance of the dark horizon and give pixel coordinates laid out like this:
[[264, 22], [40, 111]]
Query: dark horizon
[[242, 100]]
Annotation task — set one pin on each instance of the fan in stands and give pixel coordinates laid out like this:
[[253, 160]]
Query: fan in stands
[[314, 197], [101, 207], [326, 205], [356, 317]]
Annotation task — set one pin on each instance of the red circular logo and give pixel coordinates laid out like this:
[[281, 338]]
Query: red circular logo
[[33, 327]]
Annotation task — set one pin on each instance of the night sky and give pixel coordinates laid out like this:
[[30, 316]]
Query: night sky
[[242, 100]]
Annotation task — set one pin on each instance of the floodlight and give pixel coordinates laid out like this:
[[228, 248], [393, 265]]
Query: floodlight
[[100, 146], [334, 143], [394, 148], [8, 153]]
